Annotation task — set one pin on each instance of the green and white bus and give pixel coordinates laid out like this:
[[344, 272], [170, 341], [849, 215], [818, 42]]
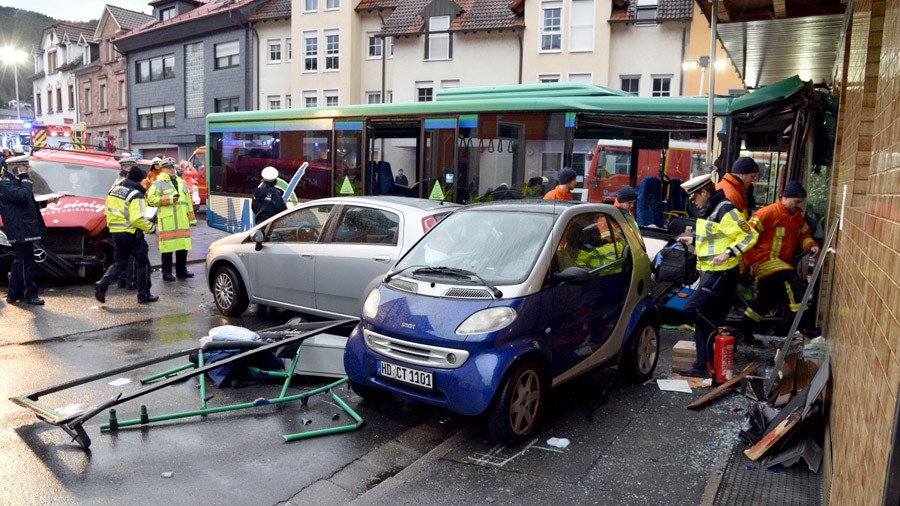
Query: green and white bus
[[505, 142]]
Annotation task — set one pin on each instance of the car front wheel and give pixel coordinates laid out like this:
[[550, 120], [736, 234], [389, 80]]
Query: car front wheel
[[640, 358], [228, 292], [518, 407]]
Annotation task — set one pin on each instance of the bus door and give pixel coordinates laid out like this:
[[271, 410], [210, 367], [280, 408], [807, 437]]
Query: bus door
[[348, 143], [393, 156], [439, 154]]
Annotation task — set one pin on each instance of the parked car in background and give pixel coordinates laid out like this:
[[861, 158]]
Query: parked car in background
[[503, 301], [78, 243], [318, 257]]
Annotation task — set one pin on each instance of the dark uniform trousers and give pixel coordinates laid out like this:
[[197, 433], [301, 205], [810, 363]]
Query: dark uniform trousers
[[21, 279], [782, 287], [133, 246], [708, 307]]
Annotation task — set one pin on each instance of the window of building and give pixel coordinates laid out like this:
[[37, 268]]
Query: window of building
[[449, 83], [59, 103], [581, 26], [274, 102], [646, 10], [123, 99], [104, 100], [662, 86], [631, 84], [110, 51], [167, 13], [155, 69], [230, 104], [551, 26], [194, 78], [88, 106], [152, 118], [309, 98], [548, 78], [37, 103], [390, 96], [290, 49], [390, 42], [424, 91], [310, 5], [373, 97], [332, 4], [581, 77], [71, 96], [375, 46], [331, 98], [227, 54], [332, 50], [274, 51], [51, 62], [287, 101], [310, 52], [438, 44]]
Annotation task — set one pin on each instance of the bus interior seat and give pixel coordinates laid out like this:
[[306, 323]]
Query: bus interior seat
[[649, 203]]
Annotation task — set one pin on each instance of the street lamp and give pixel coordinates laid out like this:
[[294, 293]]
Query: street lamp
[[15, 57], [703, 63]]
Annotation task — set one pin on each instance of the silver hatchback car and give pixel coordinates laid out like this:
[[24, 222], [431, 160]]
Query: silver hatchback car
[[318, 257]]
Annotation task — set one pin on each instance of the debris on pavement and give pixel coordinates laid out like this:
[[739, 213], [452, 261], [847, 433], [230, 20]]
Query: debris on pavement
[[559, 442], [683, 356], [694, 382], [674, 385], [168, 474], [119, 382], [699, 403]]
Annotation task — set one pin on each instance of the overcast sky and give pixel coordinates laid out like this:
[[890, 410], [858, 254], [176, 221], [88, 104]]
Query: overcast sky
[[76, 10]]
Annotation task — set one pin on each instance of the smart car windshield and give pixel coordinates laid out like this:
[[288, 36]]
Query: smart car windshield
[[72, 178], [499, 246]]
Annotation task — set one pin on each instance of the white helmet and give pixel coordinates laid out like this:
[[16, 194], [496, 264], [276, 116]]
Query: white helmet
[[270, 173]]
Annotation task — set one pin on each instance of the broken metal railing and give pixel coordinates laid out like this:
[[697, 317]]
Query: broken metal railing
[[291, 334]]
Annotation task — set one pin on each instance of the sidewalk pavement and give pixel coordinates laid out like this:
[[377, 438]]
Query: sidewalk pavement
[[202, 235]]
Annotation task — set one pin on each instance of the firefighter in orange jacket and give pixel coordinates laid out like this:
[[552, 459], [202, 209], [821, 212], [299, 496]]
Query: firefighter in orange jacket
[[736, 184], [782, 230]]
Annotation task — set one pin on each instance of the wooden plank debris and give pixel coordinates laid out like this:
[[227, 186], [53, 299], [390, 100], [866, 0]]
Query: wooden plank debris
[[773, 436], [699, 403]]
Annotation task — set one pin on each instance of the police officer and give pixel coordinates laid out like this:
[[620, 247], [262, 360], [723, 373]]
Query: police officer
[[176, 217], [722, 236], [127, 277], [268, 200], [23, 225], [127, 224]]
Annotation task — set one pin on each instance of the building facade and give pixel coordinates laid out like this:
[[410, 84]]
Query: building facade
[[103, 84], [195, 58], [273, 59], [64, 48]]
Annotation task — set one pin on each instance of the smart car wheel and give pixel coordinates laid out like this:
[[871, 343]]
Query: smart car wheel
[[229, 292], [519, 405], [639, 360]]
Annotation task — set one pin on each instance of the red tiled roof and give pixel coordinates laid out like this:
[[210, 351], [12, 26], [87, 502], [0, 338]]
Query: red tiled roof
[[207, 9], [475, 15], [273, 9]]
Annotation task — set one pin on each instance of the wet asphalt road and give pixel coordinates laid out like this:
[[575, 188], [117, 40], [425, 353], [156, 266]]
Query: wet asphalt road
[[630, 444]]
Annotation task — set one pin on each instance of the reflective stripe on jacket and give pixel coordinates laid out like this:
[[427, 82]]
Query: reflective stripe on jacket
[[175, 217], [780, 233], [125, 211], [722, 229]]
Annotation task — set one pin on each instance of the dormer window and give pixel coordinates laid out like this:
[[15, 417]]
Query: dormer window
[[646, 10], [166, 13], [439, 43]]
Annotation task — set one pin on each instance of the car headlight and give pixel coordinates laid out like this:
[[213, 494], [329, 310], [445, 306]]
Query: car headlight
[[487, 320], [4, 241], [370, 308]]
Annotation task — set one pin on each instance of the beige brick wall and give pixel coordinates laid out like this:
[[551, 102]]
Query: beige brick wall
[[862, 309]]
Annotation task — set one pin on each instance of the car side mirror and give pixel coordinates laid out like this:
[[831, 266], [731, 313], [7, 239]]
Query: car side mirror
[[573, 276], [258, 237]]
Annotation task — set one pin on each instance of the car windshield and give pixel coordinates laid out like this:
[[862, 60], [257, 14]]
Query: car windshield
[[499, 246], [73, 178]]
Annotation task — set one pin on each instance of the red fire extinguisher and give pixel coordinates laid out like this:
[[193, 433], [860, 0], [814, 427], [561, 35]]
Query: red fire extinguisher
[[724, 355]]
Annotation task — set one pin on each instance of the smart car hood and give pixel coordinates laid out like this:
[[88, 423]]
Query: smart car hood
[[73, 212]]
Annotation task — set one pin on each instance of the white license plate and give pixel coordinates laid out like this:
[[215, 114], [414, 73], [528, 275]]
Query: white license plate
[[405, 374]]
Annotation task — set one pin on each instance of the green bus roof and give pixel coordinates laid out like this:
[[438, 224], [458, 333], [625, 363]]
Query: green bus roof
[[563, 97]]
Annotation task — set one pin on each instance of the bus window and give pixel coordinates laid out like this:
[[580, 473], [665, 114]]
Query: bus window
[[512, 156], [347, 160]]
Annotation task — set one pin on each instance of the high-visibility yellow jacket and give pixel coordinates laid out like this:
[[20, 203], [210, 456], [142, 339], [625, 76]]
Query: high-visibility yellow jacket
[[175, 217], [721, 228], [125, 211], [605, 254]]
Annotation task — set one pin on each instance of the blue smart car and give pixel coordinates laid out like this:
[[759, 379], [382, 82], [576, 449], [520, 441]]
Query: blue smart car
[[502, 301]]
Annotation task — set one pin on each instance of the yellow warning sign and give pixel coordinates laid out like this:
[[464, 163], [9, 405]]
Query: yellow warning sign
[[346, 187], [437, 193]]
